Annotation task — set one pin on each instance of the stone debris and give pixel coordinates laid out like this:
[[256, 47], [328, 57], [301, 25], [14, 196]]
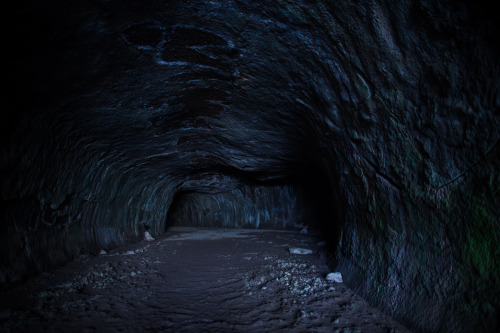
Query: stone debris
[[148, 237], [128, 253], [304, 230], [298, 250], [103, 252], [334, 277], [153, 291]]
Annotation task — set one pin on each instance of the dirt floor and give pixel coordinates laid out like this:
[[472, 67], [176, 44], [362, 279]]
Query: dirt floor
[[194, 280]]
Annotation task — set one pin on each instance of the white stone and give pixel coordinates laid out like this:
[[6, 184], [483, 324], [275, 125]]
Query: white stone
[[103, 252], [334, 277], [148, 237], [298, 250]]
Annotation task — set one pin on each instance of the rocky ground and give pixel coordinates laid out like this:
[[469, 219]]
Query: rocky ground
[[194, 280]]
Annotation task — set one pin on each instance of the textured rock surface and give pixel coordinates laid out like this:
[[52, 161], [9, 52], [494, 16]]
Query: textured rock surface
[[230, 280], [383, 113], [271, 207]]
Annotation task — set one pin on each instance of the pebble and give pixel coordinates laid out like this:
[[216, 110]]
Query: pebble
[[334, 277], [298, 250], [148, 237]]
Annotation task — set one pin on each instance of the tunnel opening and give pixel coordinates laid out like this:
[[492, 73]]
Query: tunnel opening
[[307, 203]]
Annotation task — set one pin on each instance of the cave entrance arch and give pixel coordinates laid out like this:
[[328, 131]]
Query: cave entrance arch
[[308, 201]]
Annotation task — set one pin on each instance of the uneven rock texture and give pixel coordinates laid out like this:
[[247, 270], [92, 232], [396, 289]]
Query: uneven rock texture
[[270, 207], [376, 120], [194, 281]]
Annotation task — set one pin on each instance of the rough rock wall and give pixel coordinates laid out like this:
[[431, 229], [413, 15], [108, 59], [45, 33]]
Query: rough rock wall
[[117, 106], [270, 207]]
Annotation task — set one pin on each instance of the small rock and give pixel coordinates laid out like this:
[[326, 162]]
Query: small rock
[[298, 250], [334, 277], [103, 252], [322, 243], [304, 230], [148, 237], [128, 253]]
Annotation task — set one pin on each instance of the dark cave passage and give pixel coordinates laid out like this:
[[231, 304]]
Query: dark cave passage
[[374, 124], [306, 204]]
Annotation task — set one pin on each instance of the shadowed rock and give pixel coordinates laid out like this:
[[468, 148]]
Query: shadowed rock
[[378, 119]]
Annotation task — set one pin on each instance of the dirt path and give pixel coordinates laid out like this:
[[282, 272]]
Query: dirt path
[[194, 280]]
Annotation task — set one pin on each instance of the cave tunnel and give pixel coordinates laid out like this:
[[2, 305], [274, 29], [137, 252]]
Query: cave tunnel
[[250, 148], [303, 201]]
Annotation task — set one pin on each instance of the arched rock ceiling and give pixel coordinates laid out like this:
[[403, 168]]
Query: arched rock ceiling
[[114, 107]]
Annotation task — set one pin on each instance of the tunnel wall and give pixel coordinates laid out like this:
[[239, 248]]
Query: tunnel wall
[[263, 207], [114, 107]]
